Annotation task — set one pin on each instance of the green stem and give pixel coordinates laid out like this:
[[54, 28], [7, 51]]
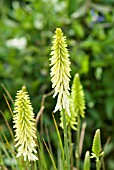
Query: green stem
[[66, 142], [103, 164], [70, 146], [97, 164], [77, 153], [33, 165]]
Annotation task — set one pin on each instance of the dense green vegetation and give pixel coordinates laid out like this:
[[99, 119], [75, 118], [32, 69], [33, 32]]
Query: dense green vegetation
[[26, 30]]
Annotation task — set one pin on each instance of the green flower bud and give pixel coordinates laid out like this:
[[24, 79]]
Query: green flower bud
[[77, 97]]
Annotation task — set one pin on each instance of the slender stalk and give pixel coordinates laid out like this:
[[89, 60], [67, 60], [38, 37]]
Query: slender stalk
[[70, 146], [28, 165], [33, 165], [51, 157], [103, 163], [66, 142], [97, 164], [82, 134], [60, 142], [77, 153]]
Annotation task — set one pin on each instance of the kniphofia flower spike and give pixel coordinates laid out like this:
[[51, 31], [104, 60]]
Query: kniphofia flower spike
[[24, 125], [60, 71]]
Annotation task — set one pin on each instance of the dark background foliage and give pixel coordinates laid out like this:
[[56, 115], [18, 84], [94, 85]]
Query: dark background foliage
[[89, 27]]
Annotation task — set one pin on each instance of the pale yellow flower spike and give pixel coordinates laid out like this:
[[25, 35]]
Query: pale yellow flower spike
[[60, 71], [24, 125]]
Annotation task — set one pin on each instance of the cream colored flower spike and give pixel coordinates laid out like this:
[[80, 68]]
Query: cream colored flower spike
[[24, 125], [60, 71]]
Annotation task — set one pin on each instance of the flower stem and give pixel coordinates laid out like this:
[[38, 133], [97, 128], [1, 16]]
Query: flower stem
[[77, 154], [70, 147], [97, 164], [66, 142]]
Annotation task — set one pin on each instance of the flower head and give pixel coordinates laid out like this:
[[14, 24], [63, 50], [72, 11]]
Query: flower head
[[96, 148], [60, 71], [87, 161], [24, 125], [77, 97]]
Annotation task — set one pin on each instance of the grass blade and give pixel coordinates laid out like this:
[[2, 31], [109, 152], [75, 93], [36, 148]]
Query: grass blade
[[51, 157], [7, 92]]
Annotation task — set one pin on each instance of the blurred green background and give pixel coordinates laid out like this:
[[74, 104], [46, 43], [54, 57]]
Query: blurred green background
[[26, 30]]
